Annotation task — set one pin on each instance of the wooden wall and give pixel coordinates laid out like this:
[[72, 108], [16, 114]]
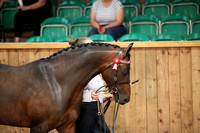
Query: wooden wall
[[165, 100]]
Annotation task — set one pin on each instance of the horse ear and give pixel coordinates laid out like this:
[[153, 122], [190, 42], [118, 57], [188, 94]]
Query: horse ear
[[127, 50]]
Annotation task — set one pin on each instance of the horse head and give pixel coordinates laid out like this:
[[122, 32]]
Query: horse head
[[117, 76]]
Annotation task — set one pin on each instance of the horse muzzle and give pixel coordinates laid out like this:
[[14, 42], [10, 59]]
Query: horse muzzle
[[121, 99]]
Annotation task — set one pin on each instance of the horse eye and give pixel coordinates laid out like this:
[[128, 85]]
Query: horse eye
[[125, 72]]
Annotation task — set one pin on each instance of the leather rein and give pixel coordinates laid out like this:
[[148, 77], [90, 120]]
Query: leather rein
[[102, 111]]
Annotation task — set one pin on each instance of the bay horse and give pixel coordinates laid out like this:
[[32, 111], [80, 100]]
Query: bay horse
[[46, 94]]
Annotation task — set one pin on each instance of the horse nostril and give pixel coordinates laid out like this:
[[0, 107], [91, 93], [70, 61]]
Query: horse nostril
[[126, 100]]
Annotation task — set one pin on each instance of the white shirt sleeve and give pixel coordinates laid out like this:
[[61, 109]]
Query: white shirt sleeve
[[94, 85], [95, 5]]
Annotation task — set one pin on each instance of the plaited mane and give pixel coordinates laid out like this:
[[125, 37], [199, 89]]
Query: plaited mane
[[82, 45]]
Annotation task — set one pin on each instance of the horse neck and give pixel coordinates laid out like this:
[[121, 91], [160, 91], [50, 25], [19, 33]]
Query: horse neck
[[82, 66], [95, 62]]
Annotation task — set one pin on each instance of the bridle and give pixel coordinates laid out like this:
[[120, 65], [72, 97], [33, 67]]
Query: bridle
[[114, 91]]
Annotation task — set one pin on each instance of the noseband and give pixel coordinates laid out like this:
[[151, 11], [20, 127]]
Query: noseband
[[114, 91]]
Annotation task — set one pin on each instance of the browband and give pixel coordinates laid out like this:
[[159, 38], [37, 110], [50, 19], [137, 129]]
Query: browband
[[117, 60]]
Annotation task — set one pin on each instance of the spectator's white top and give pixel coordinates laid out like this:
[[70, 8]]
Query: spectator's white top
[[20, 2], [93, 85], [106, 15]]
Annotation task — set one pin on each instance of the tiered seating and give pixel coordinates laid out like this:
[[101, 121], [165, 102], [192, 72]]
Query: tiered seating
[[102, 38], [160, 20], [87, 8], [188, 8], [66, 38], [8, 13], [166, 37], [134, 37], [131, 9], [80, 26], [54, 27], [192, 37], [175, 25], [70, 9], [145, 24], [195, 24], [39, 39], [158, 8]]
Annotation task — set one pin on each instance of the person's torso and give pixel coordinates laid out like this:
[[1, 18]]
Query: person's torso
[[106, 15]]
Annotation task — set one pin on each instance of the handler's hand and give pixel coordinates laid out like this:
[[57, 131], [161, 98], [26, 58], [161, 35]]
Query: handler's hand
[[109, 96], [94, 95]]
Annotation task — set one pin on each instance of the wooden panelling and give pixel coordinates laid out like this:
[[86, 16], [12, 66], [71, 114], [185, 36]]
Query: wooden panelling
[[151, 92], [163, 90], [165, 100], [140, 91], [174, 91], [196, 89]]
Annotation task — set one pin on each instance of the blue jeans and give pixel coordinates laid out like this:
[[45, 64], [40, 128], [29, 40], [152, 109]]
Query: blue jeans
[[115, 32]]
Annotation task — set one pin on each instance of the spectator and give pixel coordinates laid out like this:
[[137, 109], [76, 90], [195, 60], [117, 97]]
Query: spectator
[[107, 17], [31, 12]]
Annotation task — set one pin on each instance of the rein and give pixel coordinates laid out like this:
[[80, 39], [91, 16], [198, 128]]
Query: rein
[[101, 111]]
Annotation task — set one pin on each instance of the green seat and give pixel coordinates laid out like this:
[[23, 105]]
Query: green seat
[[70, 9], [159, 8], [145, 24], [176, 24], [131, 9], [195, 24], [39, 39], [54, 27], [80, 26], [134, 37], [192, 37], [165, 37], [8, 13], [66, 38], [101, 38], [87, 8], [188, 8]]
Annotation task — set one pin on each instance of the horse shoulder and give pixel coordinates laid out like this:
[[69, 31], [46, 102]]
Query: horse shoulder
[[4, 67]]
